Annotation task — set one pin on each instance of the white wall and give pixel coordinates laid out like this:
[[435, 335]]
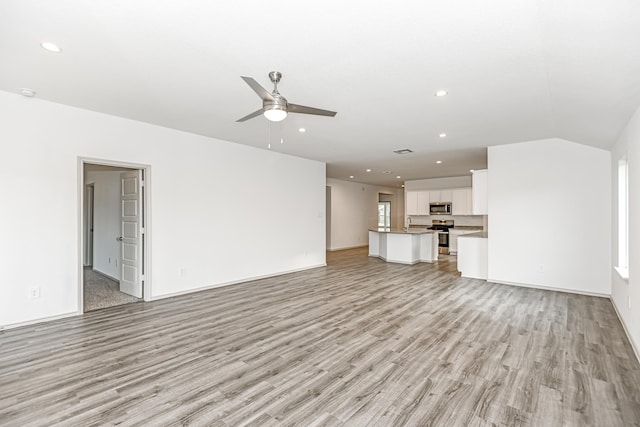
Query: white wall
[[626, 294], [220, 212], [354, 209], [106, 221], [438, 183], [550, 215]]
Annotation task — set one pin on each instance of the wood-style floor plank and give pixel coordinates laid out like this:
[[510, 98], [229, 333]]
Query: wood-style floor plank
[[358, 343]]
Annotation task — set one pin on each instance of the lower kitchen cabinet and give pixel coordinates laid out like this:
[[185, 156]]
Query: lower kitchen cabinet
[[473, 259], [453, 238]]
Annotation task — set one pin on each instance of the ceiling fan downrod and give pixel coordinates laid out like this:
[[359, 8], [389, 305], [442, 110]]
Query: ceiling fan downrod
[[275, 77]]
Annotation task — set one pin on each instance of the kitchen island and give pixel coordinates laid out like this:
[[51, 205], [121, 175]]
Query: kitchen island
[[404, 246]]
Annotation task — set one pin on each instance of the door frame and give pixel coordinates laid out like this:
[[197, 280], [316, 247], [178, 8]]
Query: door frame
[[146, 219]]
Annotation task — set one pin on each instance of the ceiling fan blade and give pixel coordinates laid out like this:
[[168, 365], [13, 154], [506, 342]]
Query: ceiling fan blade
[[250, 116], [262, 92], [295, 108]]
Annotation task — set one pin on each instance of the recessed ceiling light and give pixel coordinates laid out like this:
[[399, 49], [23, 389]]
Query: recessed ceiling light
[[302, 130], [441, 93], [27, 92], [398, 177], [51, 47], [351, 177], [443, 135], [368, 170], [438, 161]]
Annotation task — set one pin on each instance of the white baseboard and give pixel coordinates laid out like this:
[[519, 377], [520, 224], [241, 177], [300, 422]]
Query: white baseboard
[[40, 320], [634, 345], [218, 285], [549, 288], [234, 282], [100, 273]]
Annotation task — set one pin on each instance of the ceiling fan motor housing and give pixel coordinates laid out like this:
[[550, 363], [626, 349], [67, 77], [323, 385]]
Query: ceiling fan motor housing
[[276, 109]]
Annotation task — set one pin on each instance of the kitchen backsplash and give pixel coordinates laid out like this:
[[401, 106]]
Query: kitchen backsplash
[[466, 220]]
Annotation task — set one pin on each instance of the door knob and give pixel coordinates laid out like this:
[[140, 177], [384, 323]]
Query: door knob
[[119, 239]]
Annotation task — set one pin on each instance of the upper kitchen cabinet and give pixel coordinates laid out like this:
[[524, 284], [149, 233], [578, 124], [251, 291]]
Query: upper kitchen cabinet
[[480, 195], [417, 203], [423, 203], [411, 199], [443, 196], [461, 201]]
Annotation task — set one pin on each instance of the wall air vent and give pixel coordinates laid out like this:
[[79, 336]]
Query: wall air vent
[[403, 151]]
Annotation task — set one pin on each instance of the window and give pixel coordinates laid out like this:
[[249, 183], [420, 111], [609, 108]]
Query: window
[[623, 218], [384, 214]]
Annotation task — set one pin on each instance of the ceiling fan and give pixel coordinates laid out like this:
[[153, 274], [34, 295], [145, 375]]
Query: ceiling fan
[[275, 106]]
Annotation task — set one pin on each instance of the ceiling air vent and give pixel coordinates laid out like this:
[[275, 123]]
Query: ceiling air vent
[[403, 151]]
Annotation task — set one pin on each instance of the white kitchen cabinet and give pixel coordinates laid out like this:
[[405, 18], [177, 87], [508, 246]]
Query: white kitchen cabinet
[[473, 259], [460, 199], [441, 196], [453, 238], [411, 201], [461, 203], [480, 194], [423, 203], [417, 203]]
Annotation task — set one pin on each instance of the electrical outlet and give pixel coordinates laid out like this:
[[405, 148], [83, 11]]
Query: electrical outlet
[[109, 260], [183, 272], [34, 292], [541, 268]]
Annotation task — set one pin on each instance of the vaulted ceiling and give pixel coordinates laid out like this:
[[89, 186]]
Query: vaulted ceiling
[[515, 70]]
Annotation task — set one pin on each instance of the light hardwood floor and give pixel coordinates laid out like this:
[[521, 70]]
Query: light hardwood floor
[[360, 342]]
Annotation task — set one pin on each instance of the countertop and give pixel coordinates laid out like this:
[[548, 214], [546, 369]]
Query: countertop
[[480, 235], [403, 231]]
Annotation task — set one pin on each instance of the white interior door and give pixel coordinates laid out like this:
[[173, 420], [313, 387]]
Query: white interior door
[[131, 233]]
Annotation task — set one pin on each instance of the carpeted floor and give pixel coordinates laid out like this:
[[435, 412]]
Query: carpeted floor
[[102, 292]]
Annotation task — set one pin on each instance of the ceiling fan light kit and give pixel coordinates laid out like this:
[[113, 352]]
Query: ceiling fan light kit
[[275, 113], [275, 106]]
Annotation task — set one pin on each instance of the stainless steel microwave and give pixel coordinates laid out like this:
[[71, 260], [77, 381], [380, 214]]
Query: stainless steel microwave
[[440, 208]]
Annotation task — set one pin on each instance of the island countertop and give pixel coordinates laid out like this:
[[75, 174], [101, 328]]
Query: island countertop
[[402, 230]]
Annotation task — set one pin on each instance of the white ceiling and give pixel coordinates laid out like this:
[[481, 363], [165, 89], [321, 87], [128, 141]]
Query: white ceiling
[[516, 70]]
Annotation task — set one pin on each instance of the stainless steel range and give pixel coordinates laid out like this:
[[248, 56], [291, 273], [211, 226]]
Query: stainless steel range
[[443, 226]]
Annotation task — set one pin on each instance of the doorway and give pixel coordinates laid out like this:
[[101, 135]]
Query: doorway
[[384, 210], [114, 232]]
